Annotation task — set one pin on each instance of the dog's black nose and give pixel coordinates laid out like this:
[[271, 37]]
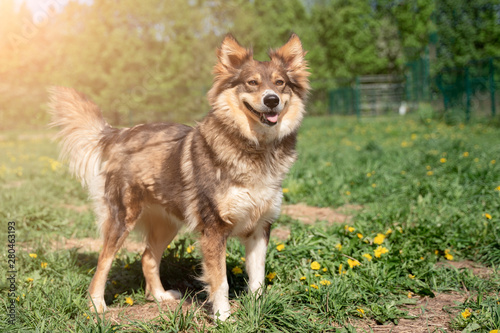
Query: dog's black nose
[[271, 101]]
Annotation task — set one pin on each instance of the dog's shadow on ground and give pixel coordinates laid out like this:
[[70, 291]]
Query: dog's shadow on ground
[[177, 271]]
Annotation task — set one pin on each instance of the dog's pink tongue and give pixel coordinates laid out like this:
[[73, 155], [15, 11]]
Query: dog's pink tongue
[[272, 117]]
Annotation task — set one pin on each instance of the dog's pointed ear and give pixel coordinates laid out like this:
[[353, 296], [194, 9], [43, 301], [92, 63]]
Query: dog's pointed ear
[[231, 54], [291, 54]]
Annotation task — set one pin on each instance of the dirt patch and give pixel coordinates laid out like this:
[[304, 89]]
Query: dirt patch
[[281, 233], [433, 315], [13, 184], [309, 215], [78, 209], [145, 312], [476, 268], [95, 245]]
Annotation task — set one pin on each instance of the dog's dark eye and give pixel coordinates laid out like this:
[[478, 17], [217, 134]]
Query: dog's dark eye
[[252, 83], [280, 82]]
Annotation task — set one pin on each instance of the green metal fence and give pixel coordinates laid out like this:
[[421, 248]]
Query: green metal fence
[[471, 89]]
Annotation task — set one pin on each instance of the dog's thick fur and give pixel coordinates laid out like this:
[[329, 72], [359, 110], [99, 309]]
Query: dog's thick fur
[[221, 178]]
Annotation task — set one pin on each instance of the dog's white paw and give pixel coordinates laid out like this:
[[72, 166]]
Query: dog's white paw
[[98, 305], [221, 310], [169, 295], [222, 315]]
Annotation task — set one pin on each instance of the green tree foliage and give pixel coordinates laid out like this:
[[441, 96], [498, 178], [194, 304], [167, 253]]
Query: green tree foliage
[[151, 60], [467, 30], [413, 22], [346, 39]]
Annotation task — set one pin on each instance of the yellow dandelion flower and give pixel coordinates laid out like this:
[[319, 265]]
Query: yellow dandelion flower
[[314, 286], [388, 232], [379, 251], [353, 263], [367, 256], [243, 259], [29, 280], [403, 172], [361, 312], [422, 258], [442, 160], [54, 164], [349, 193], [116, 295], [325, 269], [33, 255], [466, 313], [368, 175], [315, 265], [379, 239], [430, 173], [410, 294], [349, 228], [317, 275], [465, 154], [271, 276], [341, 271], [237, 270], [129, 301], [338, 247], [374, 185], [127, 266], [494, 331], [428, 167], [43, 265], [285, 190], [280, 247], [493, 161], [411, 276], [190, 249], [17, 298], [476, 160], [114, 282], [325, 282], [360, 235], [488, 216], [302, 278], [436, 252], [447, 255]]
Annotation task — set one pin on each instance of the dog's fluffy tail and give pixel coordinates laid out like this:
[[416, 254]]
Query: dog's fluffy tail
[[81, 128]]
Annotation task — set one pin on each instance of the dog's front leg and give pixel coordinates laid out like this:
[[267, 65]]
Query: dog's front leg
[[255, 257], [213, 246]]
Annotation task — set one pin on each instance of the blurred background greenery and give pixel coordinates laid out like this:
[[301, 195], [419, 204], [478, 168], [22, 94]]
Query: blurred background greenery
[[151, 60]]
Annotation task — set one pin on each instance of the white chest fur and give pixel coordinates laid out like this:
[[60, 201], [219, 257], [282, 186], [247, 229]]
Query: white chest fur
[[245, 207]]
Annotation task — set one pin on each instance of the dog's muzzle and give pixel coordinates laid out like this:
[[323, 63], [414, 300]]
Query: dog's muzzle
[[269, 118]]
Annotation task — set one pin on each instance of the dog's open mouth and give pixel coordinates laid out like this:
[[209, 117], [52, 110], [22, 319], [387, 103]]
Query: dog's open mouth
[[268, 118]]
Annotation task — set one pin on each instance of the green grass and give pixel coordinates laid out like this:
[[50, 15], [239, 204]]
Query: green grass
[[431, 189]]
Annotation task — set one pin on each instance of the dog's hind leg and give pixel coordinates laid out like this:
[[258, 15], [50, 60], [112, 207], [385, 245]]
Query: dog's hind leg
[[114, 236], [213, 246], [255, 256], [126, 211], [158, 237]]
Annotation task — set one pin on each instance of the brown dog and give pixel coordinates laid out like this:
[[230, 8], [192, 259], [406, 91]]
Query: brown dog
[[221, 178]]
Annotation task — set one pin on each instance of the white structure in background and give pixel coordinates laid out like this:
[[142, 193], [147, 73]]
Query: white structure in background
[[403, 108]]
